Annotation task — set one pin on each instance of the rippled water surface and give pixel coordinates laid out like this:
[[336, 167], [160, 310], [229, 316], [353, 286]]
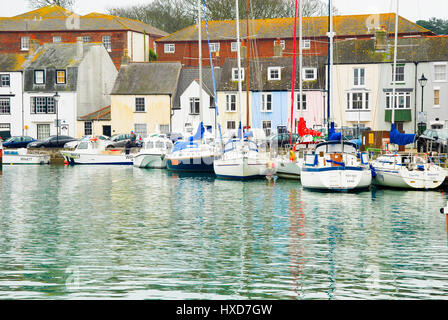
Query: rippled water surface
[[124, 232]]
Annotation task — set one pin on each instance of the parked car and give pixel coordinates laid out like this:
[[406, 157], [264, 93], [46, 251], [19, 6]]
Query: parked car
[[283, 139], [74, 144], [433, 140], [124, 140], [51, 142], [18, 142]]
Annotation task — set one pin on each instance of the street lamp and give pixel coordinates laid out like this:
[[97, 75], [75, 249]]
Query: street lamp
[[56, 99], [421, 124]]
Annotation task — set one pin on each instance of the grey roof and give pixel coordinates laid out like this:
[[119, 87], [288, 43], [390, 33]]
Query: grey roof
[[147, 78], [188, 75], [11, 62], [259, 74], [420, 49]]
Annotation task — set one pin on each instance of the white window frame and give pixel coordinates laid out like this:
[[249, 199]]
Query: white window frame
[[234, 46], [39, 130], [5, 106], [169, 48], [230, 105], [304, 71], [235, 74], [107, 42], [265, 103], [273, 69], [214, 47], [234, 125], [282, 44], [25, 43], [365, 100], [57, 39], [397, 74], [306, 44], [445, 79], [86, 39], [266, 125], [407, 97], [300, 106], [193, 102], [138, 129], [43, 76], [359, 81], [5, 78]]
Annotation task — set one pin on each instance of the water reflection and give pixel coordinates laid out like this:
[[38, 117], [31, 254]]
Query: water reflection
[[84, 232]]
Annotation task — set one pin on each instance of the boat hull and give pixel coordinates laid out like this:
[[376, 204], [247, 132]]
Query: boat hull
[[336, 178], [75, 158], [153, 161], [402, 178], [288, 169], [193, 164], [240, 168], [26, 159]]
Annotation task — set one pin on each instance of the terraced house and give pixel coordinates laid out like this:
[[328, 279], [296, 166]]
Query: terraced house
[[263, 33], [53, 24]]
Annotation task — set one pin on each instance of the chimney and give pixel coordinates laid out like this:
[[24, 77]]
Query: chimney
[[33, 46], [125, 59], [278, 51], [381, 39], [79, 48]]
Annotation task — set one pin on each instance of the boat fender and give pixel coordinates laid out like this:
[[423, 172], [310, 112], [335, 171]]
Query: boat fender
[[372, 170], [66, 162], [292, 155]]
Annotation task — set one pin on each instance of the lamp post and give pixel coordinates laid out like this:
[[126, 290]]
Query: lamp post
[[421, 124], [56, 100]]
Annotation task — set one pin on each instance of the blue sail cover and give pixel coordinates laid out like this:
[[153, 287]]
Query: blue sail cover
[[401, 139], [199, 134], [181, 145], [332, 135]]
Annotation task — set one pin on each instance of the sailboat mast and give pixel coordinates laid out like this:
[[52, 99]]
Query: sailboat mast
[[394, 68], [300, 57], [247, 64], [330, 64], [293, 72], [200, 58], [238, 51]]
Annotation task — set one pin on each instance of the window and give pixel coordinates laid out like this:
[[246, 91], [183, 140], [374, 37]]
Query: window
[[399, 73], [164, 128], [25, 43], [309, 74], [107, 42], [141, 129], [303, 101], [235, 74], [357, 100], [234, 46], [440, 72], [5, 106], [403, 100], [282, 44], [86, 39], [42, 105], [274, 73], [43, 131], [436, 97], [140, 105], [57, 39], [231, 102], [266, 102], [266, 124], [306, 44], [359, 77], [88, 128], [39, 76], [169, 47], [194, 105], [60, 76], [214, 47], [231, 125], [5, 80]]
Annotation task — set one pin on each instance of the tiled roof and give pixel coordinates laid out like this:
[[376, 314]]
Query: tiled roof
[[345, 26], [434, 48], [147, 78], [101, 114], [12, 62], [54, 18]]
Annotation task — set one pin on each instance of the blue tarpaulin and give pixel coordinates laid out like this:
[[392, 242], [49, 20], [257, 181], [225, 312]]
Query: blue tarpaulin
[[181, 145], [332, 135], [401, 139]]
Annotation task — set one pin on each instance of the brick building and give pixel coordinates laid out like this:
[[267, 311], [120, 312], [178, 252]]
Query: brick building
[[263, 33], [55, 24]]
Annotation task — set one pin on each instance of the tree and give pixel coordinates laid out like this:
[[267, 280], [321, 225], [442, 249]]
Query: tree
[[438, 26], [152, 55], [68, 4]]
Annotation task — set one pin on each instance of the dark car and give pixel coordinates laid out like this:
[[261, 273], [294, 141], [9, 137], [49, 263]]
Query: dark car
[[51, 142], [124, 141], [18, 142], [433, 140], [283, 139]]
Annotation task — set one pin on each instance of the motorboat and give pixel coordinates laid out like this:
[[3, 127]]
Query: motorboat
[[153, 153], [22, 156]]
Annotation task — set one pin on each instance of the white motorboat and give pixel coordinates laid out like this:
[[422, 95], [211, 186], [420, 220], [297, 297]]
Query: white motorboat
[[407, 171], [336, 166], [21, 156], [94, 152], [153, 153]]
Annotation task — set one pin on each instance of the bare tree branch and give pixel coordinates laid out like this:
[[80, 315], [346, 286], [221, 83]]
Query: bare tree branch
[[67, 4]]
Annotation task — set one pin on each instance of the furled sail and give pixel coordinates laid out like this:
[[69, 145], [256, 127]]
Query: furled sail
[[398, 138], [332, 135]]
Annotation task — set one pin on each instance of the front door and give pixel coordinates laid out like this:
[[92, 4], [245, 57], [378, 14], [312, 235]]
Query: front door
[[107, 131]]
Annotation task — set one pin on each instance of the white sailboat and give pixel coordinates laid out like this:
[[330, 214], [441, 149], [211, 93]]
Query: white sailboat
[[153, 152], [335, 165], [240, 158], [407, 171]]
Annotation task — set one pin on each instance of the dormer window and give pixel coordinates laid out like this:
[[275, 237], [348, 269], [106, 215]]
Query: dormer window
[[309, 74], [39, 77], [60, 77], [274, 73], [235, 74]]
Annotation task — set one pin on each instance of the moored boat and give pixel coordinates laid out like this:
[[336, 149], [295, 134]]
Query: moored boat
[[21, 156], [153, 153]]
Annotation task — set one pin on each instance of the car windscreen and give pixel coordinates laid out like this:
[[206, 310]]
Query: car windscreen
[[442, 134]]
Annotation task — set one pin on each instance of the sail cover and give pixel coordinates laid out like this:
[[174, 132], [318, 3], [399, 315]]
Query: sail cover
[[199, 133], [332, 135], [398, 138], [303, 130]]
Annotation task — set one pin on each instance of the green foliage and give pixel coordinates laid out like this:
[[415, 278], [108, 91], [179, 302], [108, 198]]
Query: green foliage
[[152, 55], [438, 26]]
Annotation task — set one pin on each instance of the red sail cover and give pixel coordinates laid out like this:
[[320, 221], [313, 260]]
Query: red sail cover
[[303, 130]]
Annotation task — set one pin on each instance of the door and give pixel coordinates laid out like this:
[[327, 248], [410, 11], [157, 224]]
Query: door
[[107, 131]]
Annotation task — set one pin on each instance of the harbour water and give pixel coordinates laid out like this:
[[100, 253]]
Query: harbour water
[[123, 232]]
